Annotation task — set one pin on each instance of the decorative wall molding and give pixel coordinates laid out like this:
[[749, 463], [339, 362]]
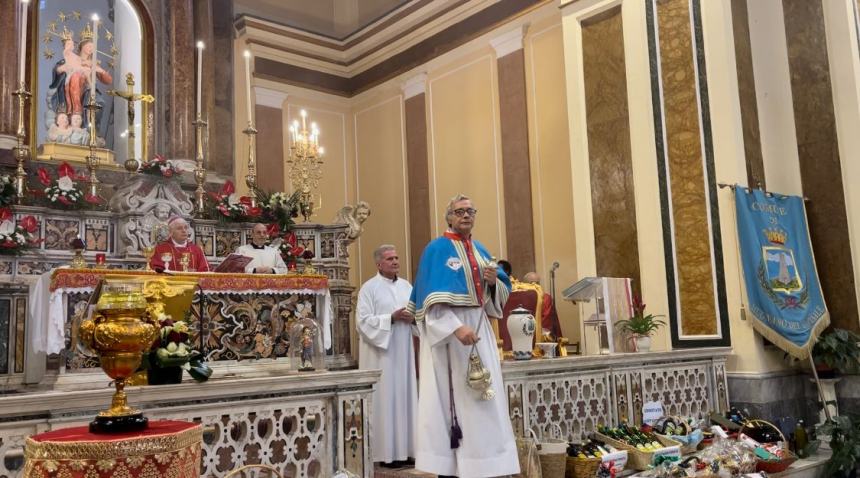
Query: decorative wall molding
[[415, 86], [510, 41], [269, 97]]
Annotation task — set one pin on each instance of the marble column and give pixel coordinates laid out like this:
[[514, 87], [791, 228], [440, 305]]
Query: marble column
[[516, 170], [221, 118], [418, 179], [269, 116], [9, 37], [180, 115], [820, 161], [204, 31]]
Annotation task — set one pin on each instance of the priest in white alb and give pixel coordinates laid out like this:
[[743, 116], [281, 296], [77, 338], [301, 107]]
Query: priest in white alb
[[266, 259], [463, 425], [385, 343]]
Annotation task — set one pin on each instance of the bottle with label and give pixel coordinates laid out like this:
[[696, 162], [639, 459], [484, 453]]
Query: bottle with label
[[800, 439]]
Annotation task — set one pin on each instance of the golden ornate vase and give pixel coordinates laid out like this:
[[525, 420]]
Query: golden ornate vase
[[118, 333]]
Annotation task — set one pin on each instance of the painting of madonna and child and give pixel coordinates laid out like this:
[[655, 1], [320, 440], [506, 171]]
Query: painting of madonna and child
[[75, 51]]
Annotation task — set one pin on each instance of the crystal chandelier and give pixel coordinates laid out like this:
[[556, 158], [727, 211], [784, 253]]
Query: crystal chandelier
[[305, 161]]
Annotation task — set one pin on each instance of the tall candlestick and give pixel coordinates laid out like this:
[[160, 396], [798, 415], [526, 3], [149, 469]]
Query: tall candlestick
[[199, 76], [94, 57], [25, 8], [248, 83]]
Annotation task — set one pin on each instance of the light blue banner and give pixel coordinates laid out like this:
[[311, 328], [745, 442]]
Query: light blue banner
[[784, 295]]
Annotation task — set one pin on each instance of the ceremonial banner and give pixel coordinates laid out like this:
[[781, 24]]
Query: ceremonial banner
[[784, 295]]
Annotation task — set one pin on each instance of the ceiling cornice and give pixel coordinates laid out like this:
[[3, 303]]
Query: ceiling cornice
[[407, 37]]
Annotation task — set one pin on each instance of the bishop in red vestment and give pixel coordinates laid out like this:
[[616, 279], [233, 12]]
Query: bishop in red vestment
[[176, 245]]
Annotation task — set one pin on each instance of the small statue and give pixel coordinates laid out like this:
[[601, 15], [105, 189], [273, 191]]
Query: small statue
[[307, 364], [354, 217]]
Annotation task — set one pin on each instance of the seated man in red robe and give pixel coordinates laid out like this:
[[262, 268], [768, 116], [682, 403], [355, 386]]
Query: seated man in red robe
[[168, 254], [530, 295]]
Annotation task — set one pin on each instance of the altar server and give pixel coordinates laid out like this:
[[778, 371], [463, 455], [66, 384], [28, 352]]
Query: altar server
[[266, 260], [168, 254], [463, 427], [385, 332]]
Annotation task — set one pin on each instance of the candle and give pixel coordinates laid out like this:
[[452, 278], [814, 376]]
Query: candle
[[199, 76], [25, 8], [304, 118], [248, 82], [94, 58]]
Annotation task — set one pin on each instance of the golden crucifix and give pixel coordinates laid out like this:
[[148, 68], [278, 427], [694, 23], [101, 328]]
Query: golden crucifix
[[129, 95]]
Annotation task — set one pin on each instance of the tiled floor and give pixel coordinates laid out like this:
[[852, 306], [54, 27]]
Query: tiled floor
[[381, 472]]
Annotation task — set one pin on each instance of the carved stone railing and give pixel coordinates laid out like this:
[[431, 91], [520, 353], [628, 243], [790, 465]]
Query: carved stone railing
[[580, 393], [304, 425]]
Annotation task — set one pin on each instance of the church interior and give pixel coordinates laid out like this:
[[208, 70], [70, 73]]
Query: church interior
[[210, 185]]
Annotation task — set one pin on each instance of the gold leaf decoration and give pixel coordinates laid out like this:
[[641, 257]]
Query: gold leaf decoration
[[48, 53], [62, 16], [76, 14]]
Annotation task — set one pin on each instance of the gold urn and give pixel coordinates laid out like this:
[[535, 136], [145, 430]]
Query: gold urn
[[119, 333]]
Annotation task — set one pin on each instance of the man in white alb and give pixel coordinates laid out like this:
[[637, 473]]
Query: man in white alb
[[267, 260], [385, 331], [462, 431]]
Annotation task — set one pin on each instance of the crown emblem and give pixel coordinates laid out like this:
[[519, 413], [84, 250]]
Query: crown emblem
[[776, 236], [87, 33], [66, 35]]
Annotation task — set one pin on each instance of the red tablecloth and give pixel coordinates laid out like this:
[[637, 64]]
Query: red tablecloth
[[169, 449]]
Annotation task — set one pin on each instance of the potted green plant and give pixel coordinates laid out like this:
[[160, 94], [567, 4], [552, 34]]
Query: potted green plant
[[844, 434], [837, 351], [641, 326]]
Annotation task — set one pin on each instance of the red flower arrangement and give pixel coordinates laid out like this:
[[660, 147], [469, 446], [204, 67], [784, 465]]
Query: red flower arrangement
[[160, 166], [16, 237], [64, 190], [229, 205]]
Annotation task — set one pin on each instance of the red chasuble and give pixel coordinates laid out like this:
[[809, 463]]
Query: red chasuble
[[526, 295], [198, 262]]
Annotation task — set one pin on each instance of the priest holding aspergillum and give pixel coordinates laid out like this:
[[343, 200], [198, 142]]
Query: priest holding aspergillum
[[168, 254]]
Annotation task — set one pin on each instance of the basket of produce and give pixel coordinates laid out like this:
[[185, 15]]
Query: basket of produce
[[768, 444], [681, 430], [585, 459], [641, 447]]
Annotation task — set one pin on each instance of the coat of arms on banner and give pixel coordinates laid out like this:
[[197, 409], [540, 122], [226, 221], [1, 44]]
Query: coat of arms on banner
[[779, 274]]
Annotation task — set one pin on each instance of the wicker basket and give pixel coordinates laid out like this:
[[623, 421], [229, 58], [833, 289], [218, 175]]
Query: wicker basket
[[553, 455], [582, 467], [636, 459], [773, 466]]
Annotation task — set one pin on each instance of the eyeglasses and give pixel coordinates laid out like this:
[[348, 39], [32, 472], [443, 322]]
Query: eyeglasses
[[462, 212]]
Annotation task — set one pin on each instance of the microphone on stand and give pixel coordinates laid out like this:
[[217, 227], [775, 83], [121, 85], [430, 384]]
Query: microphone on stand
[[552, 278]]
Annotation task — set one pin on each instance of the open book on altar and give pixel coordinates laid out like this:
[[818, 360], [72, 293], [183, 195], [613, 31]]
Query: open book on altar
[[234, 263]]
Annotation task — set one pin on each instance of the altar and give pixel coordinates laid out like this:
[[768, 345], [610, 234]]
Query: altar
[[233, 317]]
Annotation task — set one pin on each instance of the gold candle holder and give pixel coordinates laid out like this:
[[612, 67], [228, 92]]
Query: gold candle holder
[[200, 170], [92, 158], [22, 150], [251, 177]]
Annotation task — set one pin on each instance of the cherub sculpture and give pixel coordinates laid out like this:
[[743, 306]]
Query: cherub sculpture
[[354, 217]]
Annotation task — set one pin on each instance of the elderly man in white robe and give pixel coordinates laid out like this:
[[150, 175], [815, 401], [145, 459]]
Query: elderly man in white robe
[[385, 333], [463, 425], [266, 260]]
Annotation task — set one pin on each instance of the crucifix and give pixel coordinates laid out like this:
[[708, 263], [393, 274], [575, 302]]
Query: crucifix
[[129, 95]]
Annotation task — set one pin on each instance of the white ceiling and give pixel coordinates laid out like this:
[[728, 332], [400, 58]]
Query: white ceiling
[[337, 19]]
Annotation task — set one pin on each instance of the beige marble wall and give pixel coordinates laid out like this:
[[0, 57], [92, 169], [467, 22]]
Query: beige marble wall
[[608, 123], [692, 234]]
